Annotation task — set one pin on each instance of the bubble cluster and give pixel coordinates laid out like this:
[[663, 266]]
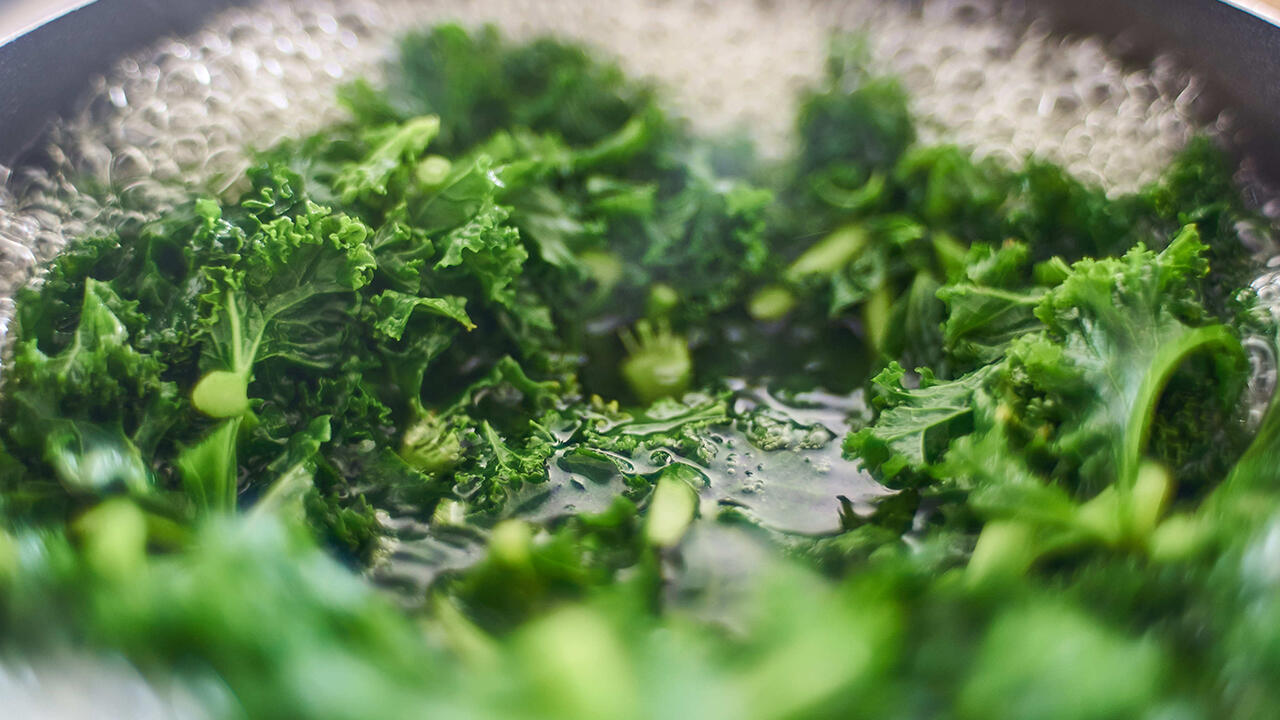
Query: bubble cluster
[[1012, 94], [181, 116]]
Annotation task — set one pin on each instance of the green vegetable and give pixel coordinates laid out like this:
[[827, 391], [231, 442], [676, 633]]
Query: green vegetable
[[510, 396], [671, 509], [659, 365], [209, 469]]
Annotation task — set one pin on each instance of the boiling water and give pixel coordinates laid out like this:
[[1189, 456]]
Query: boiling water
[[181, 116]]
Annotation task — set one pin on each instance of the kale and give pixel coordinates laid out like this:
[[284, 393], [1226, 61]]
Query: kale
[[512, 392]]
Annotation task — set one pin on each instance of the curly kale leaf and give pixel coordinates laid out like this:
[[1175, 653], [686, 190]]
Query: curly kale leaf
[[854, 126], [708, 240], [478, 84], [915, 425], [396, 150], [1116, 332], [290, 296], [1051, 440], [89, 414]]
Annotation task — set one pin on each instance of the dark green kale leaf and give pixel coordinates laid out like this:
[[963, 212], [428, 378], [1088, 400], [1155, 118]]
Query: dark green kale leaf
[[854, 126], [479, 84], [90, 414], [1116, 332], [916, 424], [989, 305], [289, 295], [391, 162], [1056, 429]]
